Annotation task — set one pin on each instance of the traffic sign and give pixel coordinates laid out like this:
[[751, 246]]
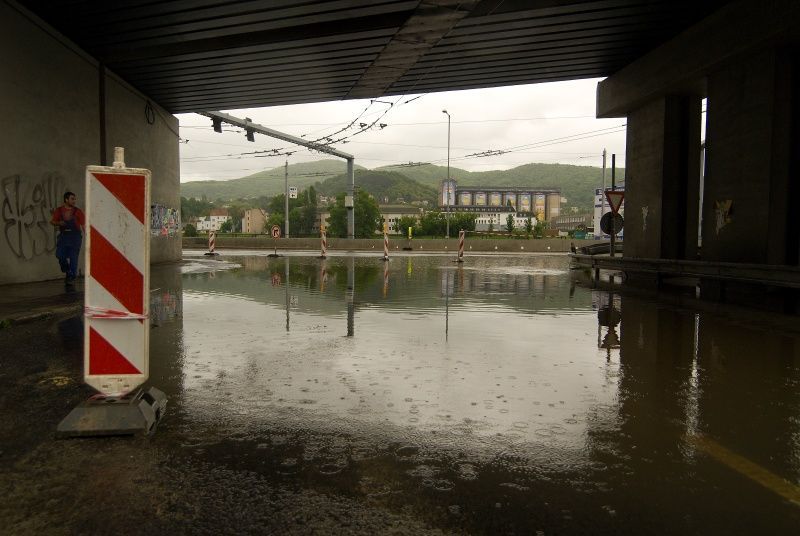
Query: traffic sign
[[615, 198], [292, 192], [116, 330], [275, 231], [606, 222]]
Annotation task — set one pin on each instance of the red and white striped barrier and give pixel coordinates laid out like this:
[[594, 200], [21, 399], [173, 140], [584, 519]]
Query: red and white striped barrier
[[212, 242], [116, 341], [323, 245], [385, 279], [461, 246], [385, 246]]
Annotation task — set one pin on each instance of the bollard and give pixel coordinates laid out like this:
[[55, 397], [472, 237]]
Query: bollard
[[385, 279], [212, 239], [461, 234], [323, 245]]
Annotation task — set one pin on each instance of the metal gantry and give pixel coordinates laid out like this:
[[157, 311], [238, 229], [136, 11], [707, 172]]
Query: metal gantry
[[219, 117]]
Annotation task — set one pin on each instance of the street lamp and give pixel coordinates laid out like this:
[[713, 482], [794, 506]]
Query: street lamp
[[447, 217]]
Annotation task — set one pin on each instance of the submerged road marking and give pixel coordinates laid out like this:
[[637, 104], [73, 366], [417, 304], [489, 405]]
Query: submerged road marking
[[751, 470]]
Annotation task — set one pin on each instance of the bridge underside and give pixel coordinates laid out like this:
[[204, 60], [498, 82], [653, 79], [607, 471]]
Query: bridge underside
[[735, 200], [214, 55]]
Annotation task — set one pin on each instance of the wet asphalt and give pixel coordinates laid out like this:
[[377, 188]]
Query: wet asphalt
[[499, 397]]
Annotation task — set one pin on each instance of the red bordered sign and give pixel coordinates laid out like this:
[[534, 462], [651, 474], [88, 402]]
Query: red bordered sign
[[116, 327], [615, 198]]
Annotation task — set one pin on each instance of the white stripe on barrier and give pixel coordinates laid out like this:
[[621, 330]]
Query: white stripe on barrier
[[116, 223]]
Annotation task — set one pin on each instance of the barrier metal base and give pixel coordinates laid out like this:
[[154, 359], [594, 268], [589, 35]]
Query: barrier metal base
[[135, 413], [211, 254]]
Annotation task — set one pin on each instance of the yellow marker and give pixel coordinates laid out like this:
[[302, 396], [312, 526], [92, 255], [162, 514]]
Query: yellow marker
[[742, 465], [409, 232]]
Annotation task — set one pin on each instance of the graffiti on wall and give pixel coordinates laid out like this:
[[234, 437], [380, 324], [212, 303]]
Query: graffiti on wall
[[26, 211], [164, 221]]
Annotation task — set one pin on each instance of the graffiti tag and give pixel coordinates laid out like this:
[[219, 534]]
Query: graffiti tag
[[26, 212], [164, 221]]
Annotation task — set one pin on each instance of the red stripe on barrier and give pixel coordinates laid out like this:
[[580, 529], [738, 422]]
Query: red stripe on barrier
[[117, 275], [127, 190], [105, 359]]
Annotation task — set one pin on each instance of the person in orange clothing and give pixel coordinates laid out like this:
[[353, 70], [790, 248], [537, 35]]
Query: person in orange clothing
[[70, 222]]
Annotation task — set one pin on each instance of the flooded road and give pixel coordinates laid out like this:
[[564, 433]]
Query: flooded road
[[491, 397], [418, 396]]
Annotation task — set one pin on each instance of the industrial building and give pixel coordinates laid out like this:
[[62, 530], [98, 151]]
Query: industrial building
[[494, 203]]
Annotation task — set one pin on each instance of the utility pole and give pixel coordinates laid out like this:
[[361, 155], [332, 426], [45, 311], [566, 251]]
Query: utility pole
[[286, 198], [603, 193], [613, 220], [349, 200], [447, 201]]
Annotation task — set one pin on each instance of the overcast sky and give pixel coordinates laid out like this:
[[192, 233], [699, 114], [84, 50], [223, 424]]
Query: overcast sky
[[535, 123]]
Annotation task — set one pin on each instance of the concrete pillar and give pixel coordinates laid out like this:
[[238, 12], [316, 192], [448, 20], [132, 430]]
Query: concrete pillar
[[750, 211], [662, 178]]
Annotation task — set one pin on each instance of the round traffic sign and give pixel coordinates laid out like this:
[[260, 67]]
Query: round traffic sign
[[275, 231], [605, 223]]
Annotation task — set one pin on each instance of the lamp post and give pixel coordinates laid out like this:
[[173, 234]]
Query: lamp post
[[447, 217]]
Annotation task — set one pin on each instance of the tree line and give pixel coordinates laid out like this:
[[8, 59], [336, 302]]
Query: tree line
[[303, 212]]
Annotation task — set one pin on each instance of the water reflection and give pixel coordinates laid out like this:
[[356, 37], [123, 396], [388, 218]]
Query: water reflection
[[499, 382]]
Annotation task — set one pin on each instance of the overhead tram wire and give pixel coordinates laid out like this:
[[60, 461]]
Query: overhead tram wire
[[555, 141], [501, 120], [516, 149], [346, 138], [328, 138]]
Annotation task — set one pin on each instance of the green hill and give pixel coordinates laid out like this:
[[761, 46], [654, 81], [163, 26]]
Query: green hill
[[412, 183], [269, 182], [577, 183], [384, 186]]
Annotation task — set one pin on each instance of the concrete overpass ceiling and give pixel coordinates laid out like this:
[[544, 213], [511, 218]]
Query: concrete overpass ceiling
[[200, 55]]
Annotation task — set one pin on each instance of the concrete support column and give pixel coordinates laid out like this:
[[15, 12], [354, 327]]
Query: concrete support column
[[662, 178], [750, 209]]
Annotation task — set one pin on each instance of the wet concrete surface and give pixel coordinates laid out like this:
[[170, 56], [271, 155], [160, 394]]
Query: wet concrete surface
[[500, 396]]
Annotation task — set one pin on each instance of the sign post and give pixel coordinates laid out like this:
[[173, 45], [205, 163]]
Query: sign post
[[116, 325], [615, 221]]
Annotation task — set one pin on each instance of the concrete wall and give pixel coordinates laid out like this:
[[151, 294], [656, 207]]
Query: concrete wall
[[50, 105], [662, 178], [745, 129]]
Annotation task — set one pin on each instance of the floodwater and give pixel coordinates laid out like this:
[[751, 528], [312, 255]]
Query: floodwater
[[497, 396]]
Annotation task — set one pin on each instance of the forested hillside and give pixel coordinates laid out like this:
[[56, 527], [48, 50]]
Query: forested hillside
[[269, 182], [411, 183], [384, 186]]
